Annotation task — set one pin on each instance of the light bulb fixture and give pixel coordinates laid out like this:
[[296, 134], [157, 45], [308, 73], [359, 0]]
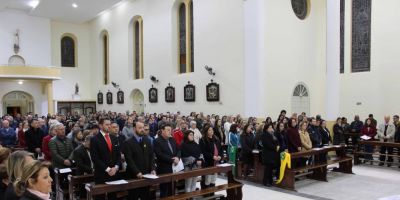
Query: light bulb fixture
[[33, 4], [20, 82], [74, 5]]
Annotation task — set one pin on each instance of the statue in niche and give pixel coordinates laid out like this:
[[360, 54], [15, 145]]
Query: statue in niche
[[16, 42], [76, 89]]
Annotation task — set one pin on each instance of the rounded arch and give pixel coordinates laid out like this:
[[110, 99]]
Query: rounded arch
[[18, 102], [137, 99], [72, 62], [300, 98]]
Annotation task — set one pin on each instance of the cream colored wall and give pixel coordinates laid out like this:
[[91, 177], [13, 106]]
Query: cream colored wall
[[81, 74], [294, 52], [377, 90], [218, 43]]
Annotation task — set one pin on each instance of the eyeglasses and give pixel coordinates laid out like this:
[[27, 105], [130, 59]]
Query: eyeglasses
[[146, 129]]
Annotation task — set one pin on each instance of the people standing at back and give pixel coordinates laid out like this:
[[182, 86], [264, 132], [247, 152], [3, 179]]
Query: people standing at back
[[192, 158], [8, 137], [386, 132], [106, 156], [196, 132], [60, 148], [227, 127], [338, 132], [128, 129], [293, 137], [325, 134], [315, 135], [167, 155], [247, 146], [21, 134], [355, 130]]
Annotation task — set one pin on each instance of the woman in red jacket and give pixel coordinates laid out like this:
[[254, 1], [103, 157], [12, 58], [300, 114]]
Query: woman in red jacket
[[370, 131], [21, 134]]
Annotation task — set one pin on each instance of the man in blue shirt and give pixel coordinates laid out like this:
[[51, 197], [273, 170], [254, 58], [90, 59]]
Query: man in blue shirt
[[8, 137]]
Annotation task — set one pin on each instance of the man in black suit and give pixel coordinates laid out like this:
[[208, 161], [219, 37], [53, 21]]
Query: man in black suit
[[167, 154], [106, 156], [139, 158], [82, 158]]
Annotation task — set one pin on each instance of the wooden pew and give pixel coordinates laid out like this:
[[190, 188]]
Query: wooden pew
[[59, 179], [258, 174], [74, 182], [318, 169], [233, 188], [359, 150]]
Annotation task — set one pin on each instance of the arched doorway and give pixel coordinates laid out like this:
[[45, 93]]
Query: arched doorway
[[138, 101], [18, 102], [301, 99]]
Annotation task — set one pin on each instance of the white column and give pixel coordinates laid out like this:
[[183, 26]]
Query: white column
[[254, 58], [332, 59]]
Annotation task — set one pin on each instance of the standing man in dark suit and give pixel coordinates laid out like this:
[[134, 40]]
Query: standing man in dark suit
[[167, 154], [82, 158], [139, 157], [106, 156]]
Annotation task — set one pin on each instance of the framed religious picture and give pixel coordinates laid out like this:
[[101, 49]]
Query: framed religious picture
[[189, 92], [109, 97], [212, 91], [100, 97], [153, 95], [120, 96], [169, 94]]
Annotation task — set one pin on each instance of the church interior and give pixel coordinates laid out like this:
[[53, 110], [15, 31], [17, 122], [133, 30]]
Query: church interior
[[86, 63]]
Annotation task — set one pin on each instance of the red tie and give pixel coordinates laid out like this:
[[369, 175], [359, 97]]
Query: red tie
[[108, 141]]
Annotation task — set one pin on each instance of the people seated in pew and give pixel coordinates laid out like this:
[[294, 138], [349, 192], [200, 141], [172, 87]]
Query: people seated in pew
[[60, 148], [82, 157], [269, 152], [167, 154], [139, 157], [386, 133], [35, 182], [15, 164], [212, 152], [247, 146], [370, 131], [106, 156], [192, 158]]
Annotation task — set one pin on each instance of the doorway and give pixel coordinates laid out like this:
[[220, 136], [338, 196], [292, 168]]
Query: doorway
[[18, 102], [138, 101]]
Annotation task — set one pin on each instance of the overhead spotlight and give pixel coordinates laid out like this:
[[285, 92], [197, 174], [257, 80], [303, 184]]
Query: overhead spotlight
[[20, 82], [33, 4], [74, 5], [154, 79], [209, 70], [114, 84]]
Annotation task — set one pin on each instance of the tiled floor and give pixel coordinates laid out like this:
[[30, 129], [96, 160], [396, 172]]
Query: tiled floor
[[367, 183]]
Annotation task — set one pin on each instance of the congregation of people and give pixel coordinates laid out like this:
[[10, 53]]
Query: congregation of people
[[106, 143]]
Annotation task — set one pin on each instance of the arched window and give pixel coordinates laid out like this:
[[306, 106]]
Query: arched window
[[185, 18], [68, 51], [138, 48], [105, 54], [300, 99]]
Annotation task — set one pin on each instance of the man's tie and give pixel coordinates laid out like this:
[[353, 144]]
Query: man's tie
[[107, 136], [170, 147]]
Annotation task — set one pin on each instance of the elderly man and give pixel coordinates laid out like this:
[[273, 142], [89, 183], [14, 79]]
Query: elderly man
[[60, 148], [386, 133], [8, 137]]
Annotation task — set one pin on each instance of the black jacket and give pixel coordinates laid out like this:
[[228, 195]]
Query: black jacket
[[247, 144], [139, 156], [207, 147], [338, 134], [33, 139], [164, 154], [191, 149], [103, 158], [269, 151], [315, 136], [29, 196], [282, 140], [326, 136], [10, 193], [82, 160]]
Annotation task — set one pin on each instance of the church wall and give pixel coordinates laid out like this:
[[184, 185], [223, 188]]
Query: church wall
[[218, 43], [294, 53], [81, 74], [34, 38], [377, 90]]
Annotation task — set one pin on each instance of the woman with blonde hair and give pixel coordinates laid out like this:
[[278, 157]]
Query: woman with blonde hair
[[15, 163], [35, 182]]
